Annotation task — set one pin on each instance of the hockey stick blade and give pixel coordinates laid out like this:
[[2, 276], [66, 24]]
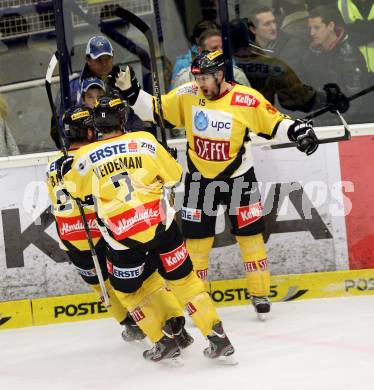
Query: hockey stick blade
[[132, 19]]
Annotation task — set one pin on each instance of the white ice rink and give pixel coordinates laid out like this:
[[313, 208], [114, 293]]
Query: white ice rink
[[323, 344]]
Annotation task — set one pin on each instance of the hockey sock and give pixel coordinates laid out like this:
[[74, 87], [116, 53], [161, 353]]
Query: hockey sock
[[255, 264], [117, 310], [191, 293], [198, 249], [151, 306]]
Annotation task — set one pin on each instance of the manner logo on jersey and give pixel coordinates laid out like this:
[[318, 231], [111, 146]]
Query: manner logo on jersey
[[212, 150], [244, 99], [175, 258], [72, 228], [248, 214], [136, 220]]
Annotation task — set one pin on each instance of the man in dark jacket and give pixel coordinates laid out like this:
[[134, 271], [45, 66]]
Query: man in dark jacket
[[275, 79], [263, 26], [331, 57]]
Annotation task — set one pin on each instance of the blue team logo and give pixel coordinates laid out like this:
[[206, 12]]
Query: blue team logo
[[201, 121]]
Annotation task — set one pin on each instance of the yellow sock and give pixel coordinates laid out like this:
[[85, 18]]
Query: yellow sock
[[117, 310], [191, 293], [255, 264], [198, 250], [151, 306]]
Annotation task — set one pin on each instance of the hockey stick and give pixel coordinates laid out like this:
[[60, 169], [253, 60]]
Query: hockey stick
[[345, 137], [48, 79], [160, 38], [144, 28]]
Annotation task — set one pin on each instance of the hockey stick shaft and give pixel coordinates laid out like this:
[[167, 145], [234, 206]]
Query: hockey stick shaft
[[345, 137], [144, 28], [48, 78]]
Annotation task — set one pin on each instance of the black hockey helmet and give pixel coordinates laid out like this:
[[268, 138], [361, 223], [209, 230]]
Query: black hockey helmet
[[76, 122], [208, 62], [110, 113]]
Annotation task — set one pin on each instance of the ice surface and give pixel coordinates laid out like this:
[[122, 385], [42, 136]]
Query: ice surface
[[323, 344]]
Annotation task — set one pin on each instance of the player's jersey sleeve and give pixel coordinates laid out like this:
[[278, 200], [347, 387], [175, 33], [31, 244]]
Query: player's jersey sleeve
[[172, 105], [169, 170], [267, 118]]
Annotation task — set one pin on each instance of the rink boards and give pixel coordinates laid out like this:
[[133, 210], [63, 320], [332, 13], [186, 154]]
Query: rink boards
[[318, 215], [285, 288]]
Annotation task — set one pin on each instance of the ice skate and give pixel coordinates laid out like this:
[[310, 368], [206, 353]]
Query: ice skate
[[220, 347], [262, 306], [165, 349], [182, 337], [132, 332]]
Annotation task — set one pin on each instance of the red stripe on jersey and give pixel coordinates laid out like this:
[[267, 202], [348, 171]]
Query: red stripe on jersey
[[136, 220], [72, 228]]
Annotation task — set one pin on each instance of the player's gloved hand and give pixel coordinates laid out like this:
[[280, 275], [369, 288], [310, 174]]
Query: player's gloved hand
[[125, 81], [302, 133], [335, 98], [63, 166], [173, 152]]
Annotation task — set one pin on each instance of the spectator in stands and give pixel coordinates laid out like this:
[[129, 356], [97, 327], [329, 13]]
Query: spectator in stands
[[359, 18], [331, 57], [210, 40], [263, 27], [295, 19], [275, 79], [92, 89], [99, 63], [8, 146], [185, 60]]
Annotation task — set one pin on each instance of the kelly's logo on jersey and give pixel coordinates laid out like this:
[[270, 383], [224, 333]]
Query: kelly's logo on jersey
[[244, 99], [248, 214], [175, 258]]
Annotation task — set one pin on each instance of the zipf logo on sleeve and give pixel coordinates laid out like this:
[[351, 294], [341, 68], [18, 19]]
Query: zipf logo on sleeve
[[244, 99], [175, 258], [248, 214]]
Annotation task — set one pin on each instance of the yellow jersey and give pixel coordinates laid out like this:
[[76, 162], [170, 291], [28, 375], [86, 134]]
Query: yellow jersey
[[69, 222], [126, 176], [217, 130]]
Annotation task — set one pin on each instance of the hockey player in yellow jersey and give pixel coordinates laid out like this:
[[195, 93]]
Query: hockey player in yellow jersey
[[126, 176], [78, 131], [218, 117]]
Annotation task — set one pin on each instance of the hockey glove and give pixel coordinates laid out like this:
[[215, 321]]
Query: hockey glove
[[335, 98], [126, 82], [63, 166], [302, 133]]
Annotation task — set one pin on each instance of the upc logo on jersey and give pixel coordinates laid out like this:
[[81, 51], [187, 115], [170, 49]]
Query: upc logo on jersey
[[124, 273], [201, 121], [72, 228], [193, 215], [248, 214], [211, 123], [175, 258], [244, 99], [136, 220], [212, 150]]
